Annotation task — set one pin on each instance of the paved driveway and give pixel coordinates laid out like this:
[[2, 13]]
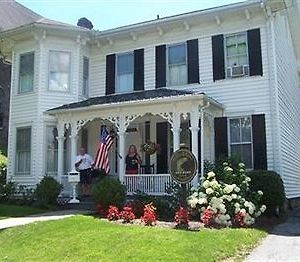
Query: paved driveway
[[283, 244]]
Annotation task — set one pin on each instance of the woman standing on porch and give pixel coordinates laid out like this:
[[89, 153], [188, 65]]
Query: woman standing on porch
[[133, 160]]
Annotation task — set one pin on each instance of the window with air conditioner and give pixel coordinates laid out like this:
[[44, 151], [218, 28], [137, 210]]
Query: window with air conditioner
[[236, 55]]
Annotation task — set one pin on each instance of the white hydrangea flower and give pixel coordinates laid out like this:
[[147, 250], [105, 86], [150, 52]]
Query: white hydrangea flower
[[241, 165], [228, 189], [237, 189], [234, 196], [228, 169], [206, 184], [209, 191], [210, 174], [263, 208], [193, 202], [201, 195], [257, 214], [202, 201], [260, 192], [214, 184], [248, 179]]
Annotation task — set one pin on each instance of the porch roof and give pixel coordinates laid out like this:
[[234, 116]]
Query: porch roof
[[137, 96]]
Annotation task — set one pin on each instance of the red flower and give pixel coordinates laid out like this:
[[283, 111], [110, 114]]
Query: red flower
[[208, 217], [101, 211], [182, 217], [149, 217], [113, 213], [239, 219], [127, 215]]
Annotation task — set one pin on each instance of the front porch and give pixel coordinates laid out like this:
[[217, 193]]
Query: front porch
[[167, 117]]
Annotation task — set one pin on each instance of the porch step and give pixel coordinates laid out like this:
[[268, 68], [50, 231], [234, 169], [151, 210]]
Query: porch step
[[86, 203]]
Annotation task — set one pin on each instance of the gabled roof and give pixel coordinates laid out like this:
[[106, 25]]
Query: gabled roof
[[144, 95], [13, 14]]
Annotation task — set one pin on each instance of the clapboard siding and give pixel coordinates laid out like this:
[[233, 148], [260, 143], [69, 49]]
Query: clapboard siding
[[289, 108]]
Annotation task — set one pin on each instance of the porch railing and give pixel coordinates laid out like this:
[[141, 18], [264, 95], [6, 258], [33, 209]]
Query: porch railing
[[152, 184]]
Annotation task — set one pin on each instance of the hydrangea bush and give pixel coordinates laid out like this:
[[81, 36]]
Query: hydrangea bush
[[227, 201]]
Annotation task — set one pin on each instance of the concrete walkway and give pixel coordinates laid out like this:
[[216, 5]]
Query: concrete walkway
[[283, 244], [55, 215]]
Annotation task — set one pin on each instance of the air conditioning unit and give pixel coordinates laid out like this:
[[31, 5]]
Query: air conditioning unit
[[237, 71]]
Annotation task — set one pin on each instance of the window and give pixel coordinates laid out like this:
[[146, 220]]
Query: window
[[26, 72], [241, 140], [85, 83], [23, 151], [236, 52], [177, 65], [59, 71], [52, 149], [125, 71]]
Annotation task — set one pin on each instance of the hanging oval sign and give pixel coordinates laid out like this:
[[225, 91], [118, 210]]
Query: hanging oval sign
[[183, 166]]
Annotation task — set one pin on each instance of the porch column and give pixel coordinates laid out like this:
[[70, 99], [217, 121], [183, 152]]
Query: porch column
[[121, 149], [60, 151], [194, 118], [176, 130], [73, 138]]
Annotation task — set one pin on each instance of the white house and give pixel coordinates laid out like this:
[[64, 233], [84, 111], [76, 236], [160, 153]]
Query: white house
[[223, 80]]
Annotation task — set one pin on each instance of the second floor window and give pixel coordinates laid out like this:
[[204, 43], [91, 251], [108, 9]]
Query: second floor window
[[85, 80], [236, 55], [26, 73], [125, 71], [59, 71], [177, 64]]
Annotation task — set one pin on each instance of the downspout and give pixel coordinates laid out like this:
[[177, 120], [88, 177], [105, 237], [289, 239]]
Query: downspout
[[202, 139], [275, 99]]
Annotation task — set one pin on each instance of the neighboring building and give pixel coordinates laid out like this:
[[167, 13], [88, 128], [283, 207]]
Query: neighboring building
[[223, 80], [12, 15]]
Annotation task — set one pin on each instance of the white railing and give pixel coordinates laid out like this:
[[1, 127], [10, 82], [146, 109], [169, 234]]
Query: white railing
[[152, 184]]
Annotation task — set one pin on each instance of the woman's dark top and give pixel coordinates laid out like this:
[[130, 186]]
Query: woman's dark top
[[132, 162]]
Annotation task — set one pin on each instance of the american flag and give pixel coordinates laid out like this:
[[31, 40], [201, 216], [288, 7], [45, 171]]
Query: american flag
[[105, 143]]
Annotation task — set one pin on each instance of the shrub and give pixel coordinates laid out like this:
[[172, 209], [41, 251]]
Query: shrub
[[137, 207], [109, 191], [113, 213], [47, 191], [6, 189], [219, 199], [149, 217], [270, 183], [182, 218], [127, 215]]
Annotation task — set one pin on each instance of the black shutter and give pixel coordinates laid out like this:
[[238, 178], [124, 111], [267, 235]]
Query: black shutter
[[221, 138], [259, 142], [254, 52], [147, 138], [218, 57], [160, 66], [138, 69], [110, 74], [193, 61], [161, 138]]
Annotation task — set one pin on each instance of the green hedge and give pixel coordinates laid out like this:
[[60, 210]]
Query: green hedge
[[109, 191], [272, 186]]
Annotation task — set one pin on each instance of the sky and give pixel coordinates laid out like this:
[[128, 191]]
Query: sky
[[107, 14]]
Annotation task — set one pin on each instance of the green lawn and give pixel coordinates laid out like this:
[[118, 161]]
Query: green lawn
[[85, 238], [7, 211]]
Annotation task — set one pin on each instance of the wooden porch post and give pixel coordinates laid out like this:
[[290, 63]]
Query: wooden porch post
[[194, 119], [73, 138], [60, 150], [122, 155], [176, 130]]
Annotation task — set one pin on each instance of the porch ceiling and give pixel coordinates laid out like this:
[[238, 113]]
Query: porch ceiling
[[130, 98]]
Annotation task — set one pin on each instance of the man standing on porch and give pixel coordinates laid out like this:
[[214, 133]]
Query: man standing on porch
[[83, 164]]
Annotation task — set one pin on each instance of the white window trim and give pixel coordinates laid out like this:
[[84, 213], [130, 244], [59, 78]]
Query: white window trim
[[88, 82], [22, 174], [18, 73], [240, 143], [167, 63], [70, 70], [225, 52], [116, 73]]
